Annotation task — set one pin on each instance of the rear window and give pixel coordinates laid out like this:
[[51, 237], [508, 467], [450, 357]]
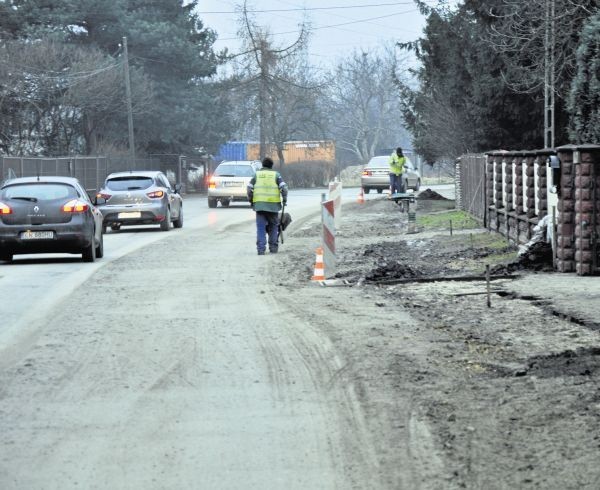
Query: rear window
[[39, 192], [129, 183], [379, 162], [234, 171]]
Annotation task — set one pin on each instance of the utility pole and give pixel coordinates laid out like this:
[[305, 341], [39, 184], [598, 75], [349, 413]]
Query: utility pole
[[549, 73], [128, 97]]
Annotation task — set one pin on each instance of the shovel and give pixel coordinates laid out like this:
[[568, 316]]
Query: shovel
[[280, 225]]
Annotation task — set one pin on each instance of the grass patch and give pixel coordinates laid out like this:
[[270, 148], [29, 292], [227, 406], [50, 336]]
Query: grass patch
[[459, 219]]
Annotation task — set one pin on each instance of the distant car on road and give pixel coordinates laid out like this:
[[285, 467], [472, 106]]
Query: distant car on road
[[376, 175], [229, 182], [48, 215], [140, 198]]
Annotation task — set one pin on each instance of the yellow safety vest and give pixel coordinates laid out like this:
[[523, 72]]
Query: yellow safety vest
[[397, 164], [266, 188]]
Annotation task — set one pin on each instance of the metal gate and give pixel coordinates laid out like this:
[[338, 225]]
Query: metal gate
[[472, 186]]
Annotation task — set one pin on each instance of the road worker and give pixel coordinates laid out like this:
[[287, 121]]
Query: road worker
[[266, 192], [397, 162]]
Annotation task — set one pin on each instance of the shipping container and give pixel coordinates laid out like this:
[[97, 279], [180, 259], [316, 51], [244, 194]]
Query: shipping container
[[296, 151], [233, 150]]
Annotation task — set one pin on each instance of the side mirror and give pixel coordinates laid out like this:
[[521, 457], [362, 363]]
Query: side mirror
[[98, 199], [178, 188]]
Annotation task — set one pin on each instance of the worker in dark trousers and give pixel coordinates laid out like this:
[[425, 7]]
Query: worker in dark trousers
[[266, 192], [397, 162]]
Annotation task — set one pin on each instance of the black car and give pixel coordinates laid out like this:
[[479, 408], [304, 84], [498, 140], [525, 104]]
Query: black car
[[48, 215]]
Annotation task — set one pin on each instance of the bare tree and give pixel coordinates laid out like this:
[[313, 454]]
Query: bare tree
[[365, 112], [266, 76], [55, 99]]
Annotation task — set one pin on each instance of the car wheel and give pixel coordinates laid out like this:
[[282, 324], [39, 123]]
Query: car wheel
[[89, 252], [379, 191], [178, 223], [212, 203], [6, 257], [418, 185], [366, 190], [166, 223], [115, 226], [225, 203], [100, 247]]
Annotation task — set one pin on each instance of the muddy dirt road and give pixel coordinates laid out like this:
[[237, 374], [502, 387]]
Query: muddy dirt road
[[482, 398], [190, 362]]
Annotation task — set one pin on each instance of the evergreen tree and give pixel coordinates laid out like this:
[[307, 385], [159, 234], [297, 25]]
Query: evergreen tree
[[584, 100], [167, 42]]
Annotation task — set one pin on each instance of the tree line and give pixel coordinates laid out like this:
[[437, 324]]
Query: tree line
[[491, 71], [62, 81], [62, 88]]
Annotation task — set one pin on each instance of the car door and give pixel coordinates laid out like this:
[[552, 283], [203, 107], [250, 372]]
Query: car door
[[174, 198], [95, 212]]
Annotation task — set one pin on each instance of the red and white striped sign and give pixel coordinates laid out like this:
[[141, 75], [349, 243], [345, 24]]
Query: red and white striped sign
[[328, 237], [335, 194]]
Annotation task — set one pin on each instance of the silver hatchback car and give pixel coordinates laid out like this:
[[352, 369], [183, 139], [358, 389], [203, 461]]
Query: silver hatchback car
[[140, 198], [376, 175]]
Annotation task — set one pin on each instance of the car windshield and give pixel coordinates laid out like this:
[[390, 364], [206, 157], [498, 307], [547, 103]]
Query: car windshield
[[234, 171], [35, 192], [129, 183]]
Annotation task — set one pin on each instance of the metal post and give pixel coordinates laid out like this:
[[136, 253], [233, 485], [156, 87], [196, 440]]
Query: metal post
[[487, 282], [128, 97]]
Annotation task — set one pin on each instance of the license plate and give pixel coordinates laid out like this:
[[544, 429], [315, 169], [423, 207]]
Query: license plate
[[131, 214], [233, 184], [37, 235]]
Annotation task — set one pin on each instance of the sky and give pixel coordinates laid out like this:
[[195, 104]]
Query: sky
[[352, 24]]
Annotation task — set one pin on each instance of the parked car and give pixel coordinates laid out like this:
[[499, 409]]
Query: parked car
[[376, 175], [48, 215], [230, 180], [140, 198]]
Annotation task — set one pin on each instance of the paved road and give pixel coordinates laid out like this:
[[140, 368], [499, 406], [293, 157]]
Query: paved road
[[167, 364]]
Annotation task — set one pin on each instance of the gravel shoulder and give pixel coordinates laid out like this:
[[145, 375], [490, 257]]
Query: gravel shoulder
[[455, 393]]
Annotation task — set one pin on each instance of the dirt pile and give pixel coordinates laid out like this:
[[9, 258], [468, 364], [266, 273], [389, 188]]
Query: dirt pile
[[429, 195]]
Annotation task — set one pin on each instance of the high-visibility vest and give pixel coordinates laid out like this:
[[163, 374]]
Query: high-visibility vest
[[397, 164], [266, 188]]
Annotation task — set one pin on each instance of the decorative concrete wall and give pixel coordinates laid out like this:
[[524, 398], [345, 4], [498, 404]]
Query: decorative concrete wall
[[578, 234], [521, 188]]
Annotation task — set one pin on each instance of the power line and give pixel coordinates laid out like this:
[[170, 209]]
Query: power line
[[332, 25], [308, 9]]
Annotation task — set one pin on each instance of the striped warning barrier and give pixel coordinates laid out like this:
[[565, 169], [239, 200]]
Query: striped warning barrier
[[328, 236], [335, 195]]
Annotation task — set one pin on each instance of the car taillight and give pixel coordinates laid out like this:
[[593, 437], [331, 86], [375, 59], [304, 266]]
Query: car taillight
[[75, 206], [155, 194], [101, 195], [5, 208], [212, 183], [367, 173]]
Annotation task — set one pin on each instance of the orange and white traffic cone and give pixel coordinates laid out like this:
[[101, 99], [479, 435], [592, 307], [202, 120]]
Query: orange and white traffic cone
[[319, 274], [361, 197]]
